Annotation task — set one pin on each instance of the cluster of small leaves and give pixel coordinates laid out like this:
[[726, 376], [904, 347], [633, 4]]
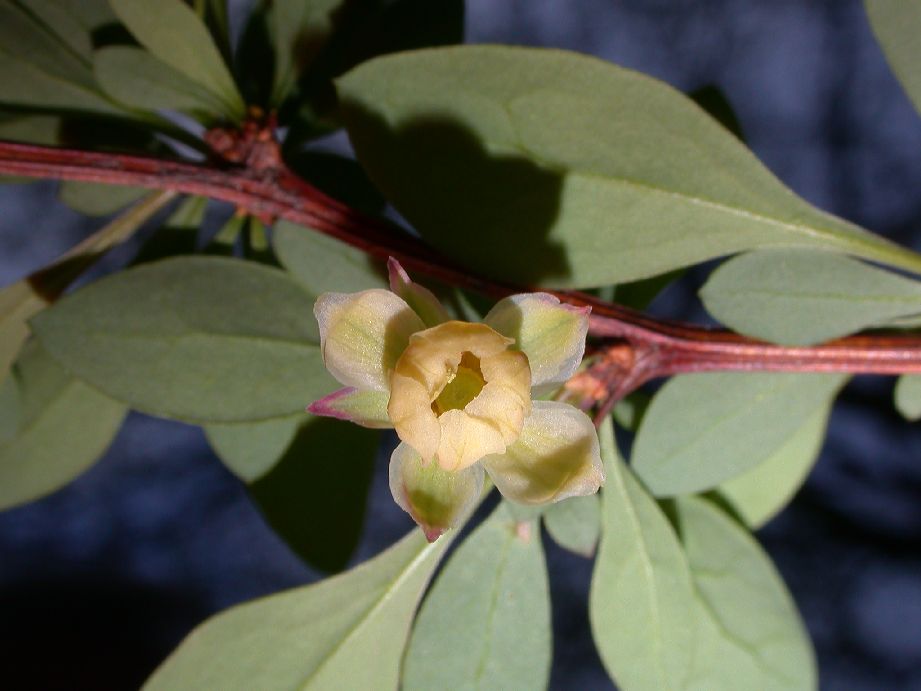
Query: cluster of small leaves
[[534, 166]]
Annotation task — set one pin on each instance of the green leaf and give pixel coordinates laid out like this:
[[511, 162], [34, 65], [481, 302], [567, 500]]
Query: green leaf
[[203, 339], [897, 26], [540, 166], [323, 264], [800, 298], [575, 523], [641, 603], [63, 427], [59, 18], [136, 78], [750, 634], [22, 300], [486, 621], [310, 478], [36, 129], [97, 199], [712, 99], [908, 396], [300, 29], [703, 429], [172, 31], [347, 632], [758, 494]]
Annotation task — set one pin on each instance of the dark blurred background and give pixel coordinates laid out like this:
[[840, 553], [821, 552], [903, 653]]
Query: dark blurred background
[[99, 581]]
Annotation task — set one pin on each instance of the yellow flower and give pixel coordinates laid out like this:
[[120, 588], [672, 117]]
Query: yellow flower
[[459, 395]]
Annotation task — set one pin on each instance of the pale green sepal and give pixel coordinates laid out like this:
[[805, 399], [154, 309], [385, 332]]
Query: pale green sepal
[[486, 622], [420, 298], [556, 457], [641, 604], [346, 632], [575, 524], [550, 333], [908, 396], [363, 407], [437, 499], [362, 335]]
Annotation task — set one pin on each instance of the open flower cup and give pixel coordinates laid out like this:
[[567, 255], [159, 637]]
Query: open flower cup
[[461, 395]]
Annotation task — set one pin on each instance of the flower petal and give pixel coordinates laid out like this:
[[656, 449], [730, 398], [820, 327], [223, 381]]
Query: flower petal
[[362, 335], [466, 439], [363, 407], [550, 333], [557, 456], [421, 299], [436, 499]]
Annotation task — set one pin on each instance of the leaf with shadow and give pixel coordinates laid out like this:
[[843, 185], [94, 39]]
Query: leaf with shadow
[[491, 213], [712, 99], [310, 478]]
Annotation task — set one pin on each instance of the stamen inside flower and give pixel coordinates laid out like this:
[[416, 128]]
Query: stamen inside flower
[[464, 384]]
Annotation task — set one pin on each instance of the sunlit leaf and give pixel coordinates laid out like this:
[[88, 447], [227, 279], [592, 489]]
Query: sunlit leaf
[[801, 298], [172, 31], [204, 339], [908, 396], [750, 634], [758, 494], [486, 621], [309, 476], [897, 25], [347, 632], [641, 605], [575, 523], [541, 166], [703, 429], [62, 427]]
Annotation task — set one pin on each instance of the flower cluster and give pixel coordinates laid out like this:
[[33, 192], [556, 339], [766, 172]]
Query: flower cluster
[[461, 395]]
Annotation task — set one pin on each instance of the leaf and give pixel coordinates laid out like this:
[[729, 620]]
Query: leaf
[[58, 18], [347, 632], [63, 427], [486, 621], [703, 429], [750, 635], [300, 29], [203, 339], [575, 524], [541, 166], [136, 78], [323, 264], [712, 99], [908, 396], [760, 493], [97, 199], [641, 604], [172, 32], [37, 129], [37, 68], [22, 300], [800, 298], [897, 26], [310, 478]]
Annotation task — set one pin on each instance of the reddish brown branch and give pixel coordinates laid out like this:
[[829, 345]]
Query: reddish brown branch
[[635, 348]]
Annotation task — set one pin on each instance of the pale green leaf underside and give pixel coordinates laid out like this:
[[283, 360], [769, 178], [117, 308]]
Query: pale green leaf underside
[[486, 622], [750, 635], [801, 298], [758, 494], [347, 632], [897, 26], [250, 450], [62, 427], [203, 339], [544, 166], [703, 429], [641, 604], [575, 523], [323, 264], [908, 396], [172, 31]]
